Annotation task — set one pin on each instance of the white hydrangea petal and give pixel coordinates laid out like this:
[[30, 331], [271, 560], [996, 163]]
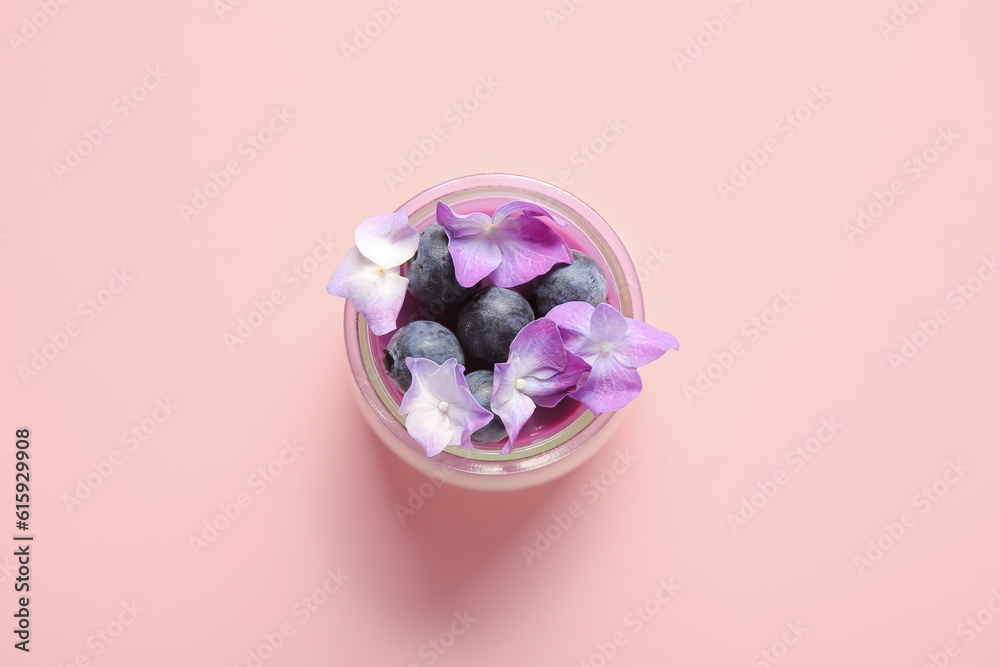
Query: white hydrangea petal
[[387, 240]]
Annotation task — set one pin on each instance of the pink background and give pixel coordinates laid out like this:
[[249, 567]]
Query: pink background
[[333, 505]]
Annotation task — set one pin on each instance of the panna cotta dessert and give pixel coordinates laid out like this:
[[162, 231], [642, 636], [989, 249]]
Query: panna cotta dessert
[[494, 329]]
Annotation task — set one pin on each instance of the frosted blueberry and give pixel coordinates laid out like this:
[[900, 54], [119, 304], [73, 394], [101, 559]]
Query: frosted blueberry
[[582, 280], [490, 320], [432, 272], [422, 339]]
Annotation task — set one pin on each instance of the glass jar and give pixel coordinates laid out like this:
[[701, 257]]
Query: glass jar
[[547, 450]]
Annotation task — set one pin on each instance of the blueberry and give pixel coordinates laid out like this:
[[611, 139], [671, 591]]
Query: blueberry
[[481, 386], [490, 320], [582, 280], [431, 272], [422, 339]]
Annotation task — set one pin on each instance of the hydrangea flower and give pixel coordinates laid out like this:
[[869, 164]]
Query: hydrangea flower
[[615, 346], [369, 276], [538, 371], [512, 247], [439, 408]]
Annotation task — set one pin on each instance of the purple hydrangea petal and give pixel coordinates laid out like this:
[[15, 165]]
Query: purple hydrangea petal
[[642, 344], [539, 347], [474, 252], [475, 257], [607, 324], [387, 240], [528, 249], [515, 207], [460, 226], [548, 392], [377, 294], [574, 316], [444, 380], [504, 377], [420, 369], [573, 319], [609, 386], [513, 407], [469, 415]]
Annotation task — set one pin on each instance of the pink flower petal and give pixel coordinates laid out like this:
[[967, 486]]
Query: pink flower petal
[[513, 407], [387, 240], [609, 386], [528, 249], [642, 344], [607, 325], [549, 391], [377, 295]]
